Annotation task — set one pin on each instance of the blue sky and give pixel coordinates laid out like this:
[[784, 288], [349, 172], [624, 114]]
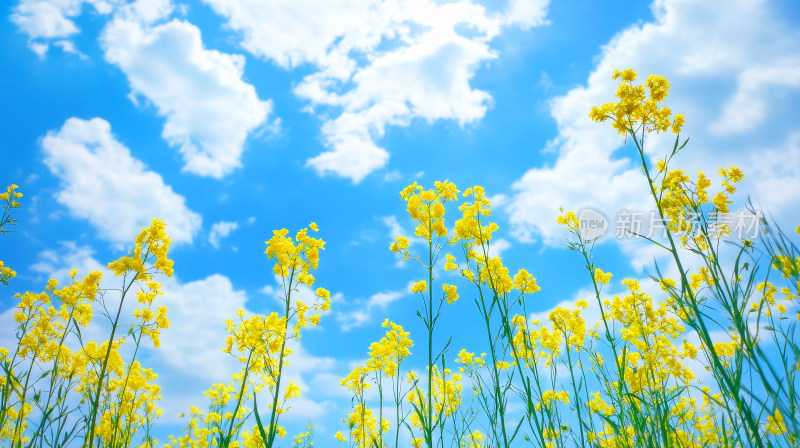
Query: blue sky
[[231, 118]]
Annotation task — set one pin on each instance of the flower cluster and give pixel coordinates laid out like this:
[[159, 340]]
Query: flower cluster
[[9, 199], [636, 108], [121, 394], [445, 396]]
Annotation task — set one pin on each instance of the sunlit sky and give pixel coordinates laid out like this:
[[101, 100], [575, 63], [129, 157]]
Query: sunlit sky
[[231, 118]]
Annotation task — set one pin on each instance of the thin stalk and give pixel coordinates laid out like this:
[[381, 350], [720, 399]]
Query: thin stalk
[[429, 427], [703, 332], [229, 434], [96, 400], [274, 417]]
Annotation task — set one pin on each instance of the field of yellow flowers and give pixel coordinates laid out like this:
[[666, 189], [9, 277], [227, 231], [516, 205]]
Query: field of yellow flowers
[[630, 380]]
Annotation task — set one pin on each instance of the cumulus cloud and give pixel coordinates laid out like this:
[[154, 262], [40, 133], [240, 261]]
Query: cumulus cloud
[[756, 87], [43, 20], [380, 63], [731, 70], [209, 110], [104, 184], [57, 264], [195, 340], [774, 176], [46, 21], [221, 230]]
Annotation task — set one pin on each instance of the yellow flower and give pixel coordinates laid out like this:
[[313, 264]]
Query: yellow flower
[[596, 404], [602, 277], [451, 295], [450, 264], [525, 282], [568, 219], [678, 124], [473, 440], [775, 423], [635, 107], [464, 357], [291, 391], [419, 286], [401, 243], [446, 190], [689, 350]]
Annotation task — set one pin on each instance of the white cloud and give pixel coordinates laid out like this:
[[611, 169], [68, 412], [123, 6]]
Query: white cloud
[[774, 179], [52, 20], [497, 246], [383, 299], [67, 46], [146, 11], [731, 69], [380, 63], [526, 13], [47, 19], [748, 107], [392, 176], [363, 312], [221, 230], [209, 109], [395, 229], [329, 384], [39, 48], [193, 343], [57, 264], [102, 183], [286, 32], [427, 78], [498, 200]]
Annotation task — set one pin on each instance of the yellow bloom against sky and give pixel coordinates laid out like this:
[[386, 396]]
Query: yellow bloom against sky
[[363, 129]]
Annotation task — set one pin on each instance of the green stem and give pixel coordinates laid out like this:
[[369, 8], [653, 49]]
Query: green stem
[[700, 327], [273, 421], [18, 423], [53, 375], [429, 427], [240, 397], [575, 390], [96, 399]]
